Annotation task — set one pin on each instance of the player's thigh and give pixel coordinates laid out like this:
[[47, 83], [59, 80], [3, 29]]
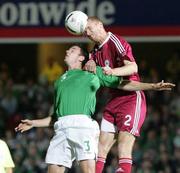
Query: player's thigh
[[87, 166], [84, 140], [56, 169], [59, 151], [107, 134]]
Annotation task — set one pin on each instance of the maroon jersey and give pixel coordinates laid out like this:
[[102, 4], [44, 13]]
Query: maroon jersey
[[112, 53], [126, 110]]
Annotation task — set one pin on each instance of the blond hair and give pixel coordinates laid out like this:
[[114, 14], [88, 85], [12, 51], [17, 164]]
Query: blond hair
[[95, 19]]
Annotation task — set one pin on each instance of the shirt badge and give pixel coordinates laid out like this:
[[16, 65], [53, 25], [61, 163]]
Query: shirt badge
[[106, 62], [63, 77]]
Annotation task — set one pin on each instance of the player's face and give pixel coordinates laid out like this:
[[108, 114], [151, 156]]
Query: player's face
[[72, 55], [93, 30]]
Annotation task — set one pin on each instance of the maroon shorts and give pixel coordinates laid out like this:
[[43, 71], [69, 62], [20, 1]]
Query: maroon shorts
[[127, 112]]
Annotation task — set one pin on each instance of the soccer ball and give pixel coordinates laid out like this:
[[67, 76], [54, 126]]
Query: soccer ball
[[75, 22]]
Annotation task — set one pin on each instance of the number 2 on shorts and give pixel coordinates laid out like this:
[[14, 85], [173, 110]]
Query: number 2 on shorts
[[128, 119]]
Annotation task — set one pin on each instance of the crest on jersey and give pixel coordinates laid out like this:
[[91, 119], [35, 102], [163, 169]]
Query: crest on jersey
[[106, 62], [63, 76]]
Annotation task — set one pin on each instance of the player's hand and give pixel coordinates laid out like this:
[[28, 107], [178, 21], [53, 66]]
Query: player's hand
[[90, 66], [107, 70], [163, 86], [24, 125]]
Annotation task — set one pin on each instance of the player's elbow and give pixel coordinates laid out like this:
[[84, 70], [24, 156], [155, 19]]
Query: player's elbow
[[134, 67]]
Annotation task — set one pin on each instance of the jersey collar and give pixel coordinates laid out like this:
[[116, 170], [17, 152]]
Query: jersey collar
[[109, 34]]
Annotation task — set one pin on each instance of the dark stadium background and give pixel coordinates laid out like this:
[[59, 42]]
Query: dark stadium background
[[152, 28]]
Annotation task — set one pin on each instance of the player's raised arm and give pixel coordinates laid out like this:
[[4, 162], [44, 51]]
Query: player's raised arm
[[135, 86], [128, 69], [29, 124]]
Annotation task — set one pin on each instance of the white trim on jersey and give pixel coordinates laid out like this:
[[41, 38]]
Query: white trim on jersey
[[109, 34], [137, 113], [117, 42]]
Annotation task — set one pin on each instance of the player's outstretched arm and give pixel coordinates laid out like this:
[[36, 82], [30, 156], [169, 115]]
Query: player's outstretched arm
[[29, 124], [136, 86]]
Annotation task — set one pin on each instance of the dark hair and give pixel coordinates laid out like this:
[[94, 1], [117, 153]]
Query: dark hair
[[85, 53]]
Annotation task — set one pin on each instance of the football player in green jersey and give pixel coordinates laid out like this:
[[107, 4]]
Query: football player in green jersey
[[76, 133]]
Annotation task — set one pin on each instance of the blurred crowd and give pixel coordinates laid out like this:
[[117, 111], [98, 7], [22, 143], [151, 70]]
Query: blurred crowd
[[156, 151]]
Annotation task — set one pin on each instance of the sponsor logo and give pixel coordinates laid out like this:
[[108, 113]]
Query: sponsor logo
[[21, 13]]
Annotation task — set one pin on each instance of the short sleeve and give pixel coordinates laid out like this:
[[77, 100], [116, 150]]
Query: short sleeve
[[123, 48], [108, 80]]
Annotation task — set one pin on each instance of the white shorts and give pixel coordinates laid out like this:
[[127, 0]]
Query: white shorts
[[107, 126], [76, 137]]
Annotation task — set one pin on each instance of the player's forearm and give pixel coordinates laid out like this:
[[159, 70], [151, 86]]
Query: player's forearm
[[136, 86], [125, 70], [45, 122]]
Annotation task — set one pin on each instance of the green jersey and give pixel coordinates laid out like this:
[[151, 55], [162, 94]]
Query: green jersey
[[75, 91]]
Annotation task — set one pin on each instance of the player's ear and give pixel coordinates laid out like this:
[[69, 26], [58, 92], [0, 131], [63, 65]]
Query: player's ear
[[89, 55], [81, 58], [101, 25]]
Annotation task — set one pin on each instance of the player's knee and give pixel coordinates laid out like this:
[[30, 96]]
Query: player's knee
[[125, 144], [103, 149], [126, 138], [91, 170], [88, 166], [106, 141]]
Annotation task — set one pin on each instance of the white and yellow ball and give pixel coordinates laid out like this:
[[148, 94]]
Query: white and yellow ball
[[75, 22]]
